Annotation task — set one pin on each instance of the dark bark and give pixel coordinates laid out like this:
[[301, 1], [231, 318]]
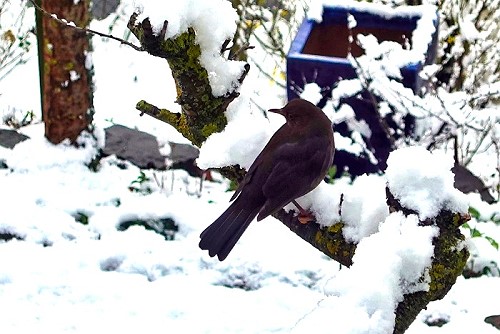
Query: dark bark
[[66, 89]]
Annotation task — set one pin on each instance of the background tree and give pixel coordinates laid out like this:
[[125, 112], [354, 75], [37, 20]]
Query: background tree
[[65, 70]]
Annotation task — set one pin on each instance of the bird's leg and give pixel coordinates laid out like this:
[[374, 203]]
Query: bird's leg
[[304, 216]]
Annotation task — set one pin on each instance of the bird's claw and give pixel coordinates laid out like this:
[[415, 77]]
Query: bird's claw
[[305, 218]]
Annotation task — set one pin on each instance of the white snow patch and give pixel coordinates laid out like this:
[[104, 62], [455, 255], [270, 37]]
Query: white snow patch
[[364, 207], [214, 22], [404, 251], [311, 93], [423, 181]]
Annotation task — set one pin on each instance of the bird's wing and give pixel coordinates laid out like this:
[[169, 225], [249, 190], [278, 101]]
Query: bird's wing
[[298, 170], [258, 161], [248, 177]]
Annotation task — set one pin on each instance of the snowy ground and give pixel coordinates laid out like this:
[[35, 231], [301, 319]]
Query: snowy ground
[[66, 277]]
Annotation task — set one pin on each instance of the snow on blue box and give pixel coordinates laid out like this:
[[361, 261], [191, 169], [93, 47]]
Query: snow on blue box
[[319, 51]]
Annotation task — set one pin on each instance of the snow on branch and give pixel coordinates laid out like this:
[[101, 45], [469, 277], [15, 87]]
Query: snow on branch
[[406, 256], [206, 81], [400, 231]]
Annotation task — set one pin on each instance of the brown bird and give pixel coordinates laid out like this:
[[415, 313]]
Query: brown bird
[[294, 161]]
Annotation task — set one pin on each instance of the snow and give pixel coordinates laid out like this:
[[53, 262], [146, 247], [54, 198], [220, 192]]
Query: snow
[[311, 93], [219, 16], [468, 29], [69, 277], [225, 148], [315, 10], [363, 211], [378, 8], [324, 202], [423, 181], [382, 278], [351, 22]]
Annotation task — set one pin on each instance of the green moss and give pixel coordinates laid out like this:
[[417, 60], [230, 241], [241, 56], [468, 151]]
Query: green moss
[[203, 114], [46, 67], [168, 117], [185, 130], [335, 228], [208, 129], [319, 237], [458, 220], [437, 273], [141, 105], [449, 261], [48, 50], [181, 46], [69, 66], [331, 245]]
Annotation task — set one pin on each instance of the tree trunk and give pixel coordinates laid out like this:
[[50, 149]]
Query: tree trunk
[[65, 81]]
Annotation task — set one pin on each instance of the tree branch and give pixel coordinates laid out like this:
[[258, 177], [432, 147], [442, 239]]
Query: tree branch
[[328, 240], [86, 30], [203, 114], [450, 257]]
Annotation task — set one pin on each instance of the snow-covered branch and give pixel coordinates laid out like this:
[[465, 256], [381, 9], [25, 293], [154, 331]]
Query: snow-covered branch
[[410, 230], [197, 63]]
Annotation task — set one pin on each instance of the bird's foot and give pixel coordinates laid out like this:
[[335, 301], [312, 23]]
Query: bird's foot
[[304, 216], [305, 219]]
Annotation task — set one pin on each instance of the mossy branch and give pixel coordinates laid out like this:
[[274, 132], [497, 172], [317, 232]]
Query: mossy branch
[[203, 114], [450, 254], [328, 240], [448, 262]]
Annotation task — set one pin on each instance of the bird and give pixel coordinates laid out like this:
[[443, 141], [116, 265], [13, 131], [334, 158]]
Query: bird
[[294, 161]]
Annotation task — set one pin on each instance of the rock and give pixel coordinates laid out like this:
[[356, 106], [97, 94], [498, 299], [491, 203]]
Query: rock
[[183, 156], [102, 8], [183, 152], [140, 148], [10, 138]]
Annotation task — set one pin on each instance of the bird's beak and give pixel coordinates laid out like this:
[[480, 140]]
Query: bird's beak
[[277, 111]]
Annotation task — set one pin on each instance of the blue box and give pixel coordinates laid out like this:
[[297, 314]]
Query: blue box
[[319, 51], [319, 54]]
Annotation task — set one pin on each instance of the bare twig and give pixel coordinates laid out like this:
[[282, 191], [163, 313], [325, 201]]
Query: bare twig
[[269, 76], [224, 46], [244, 47], [482, 136], [366, 83], [86, 30]]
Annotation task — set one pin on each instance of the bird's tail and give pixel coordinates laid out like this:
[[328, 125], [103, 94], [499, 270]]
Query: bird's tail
[[220, 237]]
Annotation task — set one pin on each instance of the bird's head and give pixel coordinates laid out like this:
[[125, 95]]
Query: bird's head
[[299, 113]]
